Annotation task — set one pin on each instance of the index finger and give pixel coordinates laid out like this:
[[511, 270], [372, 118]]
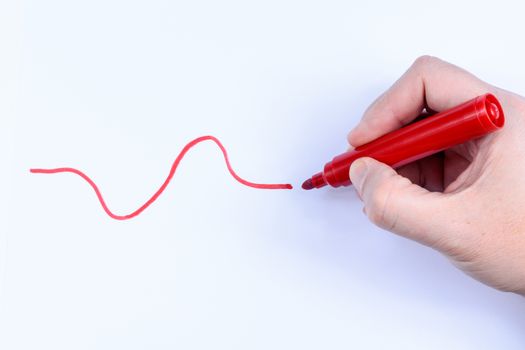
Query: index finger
[[429, 83]]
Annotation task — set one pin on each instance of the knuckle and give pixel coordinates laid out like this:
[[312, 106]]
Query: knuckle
[[374, 215], [378, 204], [425, 61]]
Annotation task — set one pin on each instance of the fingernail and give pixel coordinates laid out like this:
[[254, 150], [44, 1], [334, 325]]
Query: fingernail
[[358, 172]]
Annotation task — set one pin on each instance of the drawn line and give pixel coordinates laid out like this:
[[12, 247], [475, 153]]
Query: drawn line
[[166, 182]]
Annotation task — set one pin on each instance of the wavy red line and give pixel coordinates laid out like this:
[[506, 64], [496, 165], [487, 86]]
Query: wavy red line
[[166, 182]]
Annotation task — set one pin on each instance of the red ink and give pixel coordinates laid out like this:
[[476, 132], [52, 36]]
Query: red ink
[[166, 182]]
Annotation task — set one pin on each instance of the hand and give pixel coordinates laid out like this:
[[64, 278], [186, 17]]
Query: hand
[[467, 202]]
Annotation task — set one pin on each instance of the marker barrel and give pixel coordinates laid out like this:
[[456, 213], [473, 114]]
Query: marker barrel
[[470, 120]]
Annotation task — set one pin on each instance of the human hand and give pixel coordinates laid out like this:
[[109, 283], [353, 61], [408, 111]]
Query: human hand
[[467, 202]]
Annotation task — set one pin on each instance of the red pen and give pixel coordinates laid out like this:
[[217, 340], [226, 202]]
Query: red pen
[[470, 120]]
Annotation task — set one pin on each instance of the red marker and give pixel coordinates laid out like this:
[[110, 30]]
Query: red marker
[[470, 120]]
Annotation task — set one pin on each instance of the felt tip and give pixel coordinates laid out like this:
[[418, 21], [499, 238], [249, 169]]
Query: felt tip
[[308, 185]]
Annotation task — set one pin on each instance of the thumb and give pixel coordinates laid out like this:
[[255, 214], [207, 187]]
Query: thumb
[[394, 203]]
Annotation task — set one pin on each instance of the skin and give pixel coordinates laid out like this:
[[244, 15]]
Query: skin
[[467, 202]]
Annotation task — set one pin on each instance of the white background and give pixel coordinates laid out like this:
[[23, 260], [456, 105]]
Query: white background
[[117, 88]]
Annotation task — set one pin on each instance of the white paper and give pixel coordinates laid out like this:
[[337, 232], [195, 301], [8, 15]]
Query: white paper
[[117, 88]]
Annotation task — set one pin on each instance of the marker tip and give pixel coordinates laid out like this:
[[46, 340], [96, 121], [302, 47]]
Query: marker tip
[[307, 185]]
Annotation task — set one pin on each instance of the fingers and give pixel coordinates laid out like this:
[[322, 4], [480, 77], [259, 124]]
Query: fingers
[[429, 83], [392, 202], [427, 172]]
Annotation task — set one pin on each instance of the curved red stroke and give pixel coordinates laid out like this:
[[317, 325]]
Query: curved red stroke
[[166, 182]]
